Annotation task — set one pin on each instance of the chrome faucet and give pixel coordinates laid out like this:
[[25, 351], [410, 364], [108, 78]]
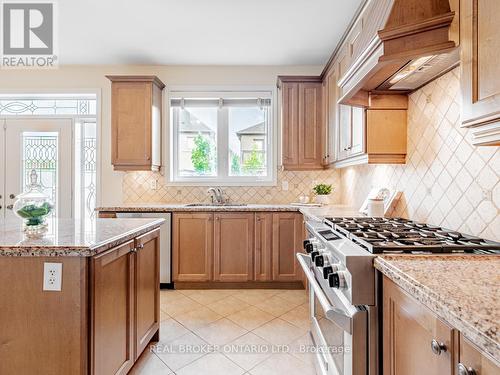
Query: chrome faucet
[[216, 194]]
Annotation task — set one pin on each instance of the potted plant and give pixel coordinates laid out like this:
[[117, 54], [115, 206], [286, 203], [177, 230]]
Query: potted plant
[[322, 192]]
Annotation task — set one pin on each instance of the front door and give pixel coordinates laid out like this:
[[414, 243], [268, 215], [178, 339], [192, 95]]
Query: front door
[[43, 145]]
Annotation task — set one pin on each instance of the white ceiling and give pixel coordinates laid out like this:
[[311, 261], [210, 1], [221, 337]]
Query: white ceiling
[[201, 32]]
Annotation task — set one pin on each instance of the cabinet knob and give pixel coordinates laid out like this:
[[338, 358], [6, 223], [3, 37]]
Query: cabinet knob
[[141, 246], [463, 370], [10, 207], [437, 347]]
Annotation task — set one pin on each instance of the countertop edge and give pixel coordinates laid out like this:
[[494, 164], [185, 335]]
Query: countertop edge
[[434, 302], [183, 208], [79, 251]]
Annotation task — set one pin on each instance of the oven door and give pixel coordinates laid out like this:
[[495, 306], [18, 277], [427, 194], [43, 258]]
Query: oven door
[[339, 330]]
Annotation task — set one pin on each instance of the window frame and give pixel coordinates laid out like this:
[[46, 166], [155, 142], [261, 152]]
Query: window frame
[[223, 169]]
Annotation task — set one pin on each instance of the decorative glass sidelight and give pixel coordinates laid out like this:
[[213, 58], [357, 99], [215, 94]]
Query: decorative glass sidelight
[[47, 105]]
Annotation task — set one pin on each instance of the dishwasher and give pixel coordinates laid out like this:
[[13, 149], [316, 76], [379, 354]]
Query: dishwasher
[[165, 241]]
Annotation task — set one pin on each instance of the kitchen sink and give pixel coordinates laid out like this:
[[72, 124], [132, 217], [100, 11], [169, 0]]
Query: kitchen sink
[[216, 204]]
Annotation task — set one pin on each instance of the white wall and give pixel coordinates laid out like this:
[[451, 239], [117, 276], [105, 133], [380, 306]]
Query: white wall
[[72, 78]]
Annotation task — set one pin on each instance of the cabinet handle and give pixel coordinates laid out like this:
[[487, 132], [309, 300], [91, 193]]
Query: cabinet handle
[[437, 347], [463, 370], [133, 250], [139, 247]]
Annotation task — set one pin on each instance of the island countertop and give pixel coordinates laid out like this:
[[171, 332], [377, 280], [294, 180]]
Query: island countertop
[[67, 237], [463, 291]]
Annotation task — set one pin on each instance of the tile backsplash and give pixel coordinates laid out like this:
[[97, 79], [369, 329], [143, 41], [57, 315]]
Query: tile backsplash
[[137, 189], [446, 181]]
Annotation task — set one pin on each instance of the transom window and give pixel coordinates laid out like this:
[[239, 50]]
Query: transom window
[[221, 138]]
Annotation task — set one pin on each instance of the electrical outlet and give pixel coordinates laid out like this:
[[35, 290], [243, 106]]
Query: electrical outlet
[[52, 276], [153, 184], [284, 185]]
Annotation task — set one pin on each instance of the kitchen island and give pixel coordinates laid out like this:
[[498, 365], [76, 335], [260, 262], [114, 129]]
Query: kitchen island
[[82, 299]]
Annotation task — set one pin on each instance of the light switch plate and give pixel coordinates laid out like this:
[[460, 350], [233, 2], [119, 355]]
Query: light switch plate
[[52, 277]]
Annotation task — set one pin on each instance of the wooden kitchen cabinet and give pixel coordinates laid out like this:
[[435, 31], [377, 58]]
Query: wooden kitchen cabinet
[[124, 306], [136, 115], [147, 289], [192, 246], [473, 361], [288, 233], [234, 245], [263, 246], [331, 114], [480, 80], [409, 329], [303, 129]]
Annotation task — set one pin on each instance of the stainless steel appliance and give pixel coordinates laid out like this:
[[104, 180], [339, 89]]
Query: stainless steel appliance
[[338, 263], [165, 251]]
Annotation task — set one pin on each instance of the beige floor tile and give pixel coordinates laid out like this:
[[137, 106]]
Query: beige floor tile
[[302, 348], [164, 315], [279, 332], [182, 351], [298, 316], [254, 296], [170, 329], [250, 318], [212, 364], [283, 363], [206, 297], [149, 364], [248, 350], [296, 296], [228, 305], [180, 306], [220, 332], [276, 305], [197, 318]]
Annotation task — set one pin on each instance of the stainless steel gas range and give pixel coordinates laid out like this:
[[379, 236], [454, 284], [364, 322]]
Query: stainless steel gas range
[[343, 287]]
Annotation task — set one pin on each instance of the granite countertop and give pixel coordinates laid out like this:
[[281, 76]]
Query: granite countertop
[[312, 212], [462, 290], [67, 237]]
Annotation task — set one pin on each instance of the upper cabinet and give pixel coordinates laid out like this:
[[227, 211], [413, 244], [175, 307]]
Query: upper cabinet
[[303, 130], [480, 42], [136, 103]]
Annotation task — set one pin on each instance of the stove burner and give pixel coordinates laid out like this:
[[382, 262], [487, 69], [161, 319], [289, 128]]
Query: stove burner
[[379, 235]]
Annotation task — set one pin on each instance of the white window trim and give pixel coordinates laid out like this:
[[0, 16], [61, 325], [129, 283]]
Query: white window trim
[[270, 180]]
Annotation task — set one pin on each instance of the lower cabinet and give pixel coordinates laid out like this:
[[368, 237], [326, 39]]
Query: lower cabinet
[[237, 246], [234, 243], [124, 303], [416, 341]]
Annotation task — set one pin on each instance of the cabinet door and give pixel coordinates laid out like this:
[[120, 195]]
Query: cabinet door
[[112, 312], [290, 124], [234, 245], [471, 358], [345, 122], [408, 332], [147, 288], [310, 125], [192, 246], [331, 113], [480, 43], [288, 233], [358, 131], [131, 106], [263, 246]]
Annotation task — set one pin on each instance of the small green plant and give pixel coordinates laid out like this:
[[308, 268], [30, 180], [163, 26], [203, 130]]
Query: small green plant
[[254, 163], [322, 189], [201, 155]]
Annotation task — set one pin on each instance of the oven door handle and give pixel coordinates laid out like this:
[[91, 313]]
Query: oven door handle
[[340, 317]]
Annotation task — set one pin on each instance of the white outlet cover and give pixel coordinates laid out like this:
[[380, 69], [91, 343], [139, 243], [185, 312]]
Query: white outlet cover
[[52, 277], [284, 185]]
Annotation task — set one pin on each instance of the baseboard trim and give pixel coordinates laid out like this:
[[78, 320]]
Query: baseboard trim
[[239, 285]]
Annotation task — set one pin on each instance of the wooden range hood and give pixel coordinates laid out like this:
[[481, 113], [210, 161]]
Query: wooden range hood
[[397, 46]]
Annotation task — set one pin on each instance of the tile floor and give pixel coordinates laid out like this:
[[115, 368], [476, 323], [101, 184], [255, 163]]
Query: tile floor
[[255, 332]]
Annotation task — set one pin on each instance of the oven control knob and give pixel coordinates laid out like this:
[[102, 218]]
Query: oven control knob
[[326, 271], [337, 280], [314, 254], [309, 248], [319, 261]]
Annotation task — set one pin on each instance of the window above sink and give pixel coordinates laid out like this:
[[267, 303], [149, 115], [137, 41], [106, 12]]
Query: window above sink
[[222, 138]]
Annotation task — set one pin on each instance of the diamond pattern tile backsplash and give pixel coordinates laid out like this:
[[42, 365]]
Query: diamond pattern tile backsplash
[[446, 181], [136, 189]]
